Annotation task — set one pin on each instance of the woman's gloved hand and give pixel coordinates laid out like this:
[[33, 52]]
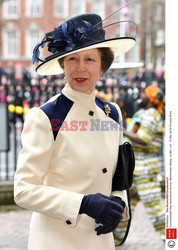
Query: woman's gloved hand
[[105, 210], [103, 229]]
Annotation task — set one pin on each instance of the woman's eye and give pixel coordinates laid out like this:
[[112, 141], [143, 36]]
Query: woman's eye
[[72, 59], [90, 59]]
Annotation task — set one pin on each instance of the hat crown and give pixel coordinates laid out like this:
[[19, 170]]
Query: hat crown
[[75, 33], [94, 19]]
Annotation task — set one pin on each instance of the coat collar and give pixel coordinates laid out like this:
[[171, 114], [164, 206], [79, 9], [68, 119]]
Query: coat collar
[[79, 97]]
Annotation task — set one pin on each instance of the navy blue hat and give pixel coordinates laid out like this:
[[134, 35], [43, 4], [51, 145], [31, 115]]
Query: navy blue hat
[[77, 34]]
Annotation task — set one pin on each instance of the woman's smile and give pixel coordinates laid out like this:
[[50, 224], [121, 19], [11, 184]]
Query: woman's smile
[[80, 80]]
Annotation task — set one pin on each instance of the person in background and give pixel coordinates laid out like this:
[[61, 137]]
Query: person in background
[[65, 168], [18, 101], [145, 132]]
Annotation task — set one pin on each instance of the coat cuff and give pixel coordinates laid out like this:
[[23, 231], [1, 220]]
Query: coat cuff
[[123, 196], [71, 208]]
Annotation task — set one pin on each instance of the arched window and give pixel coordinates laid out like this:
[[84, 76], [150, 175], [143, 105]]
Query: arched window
[[33, 36], [61, 8], [98, 6], [11, 42], [11, 9], [78, 7], [34, 8]]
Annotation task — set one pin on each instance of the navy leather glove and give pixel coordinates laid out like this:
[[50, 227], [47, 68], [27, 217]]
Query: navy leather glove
[[106, 228], [103, 210]]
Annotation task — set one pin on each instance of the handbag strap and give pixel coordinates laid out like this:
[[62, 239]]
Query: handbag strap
[[128, 198]]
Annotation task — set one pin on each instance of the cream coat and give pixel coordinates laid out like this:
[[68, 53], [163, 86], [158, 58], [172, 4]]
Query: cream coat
[[53, 175]]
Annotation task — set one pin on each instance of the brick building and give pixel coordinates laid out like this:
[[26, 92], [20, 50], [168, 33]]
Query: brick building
[[24, 22]]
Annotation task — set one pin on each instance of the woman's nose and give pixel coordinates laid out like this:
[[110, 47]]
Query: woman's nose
[[81, 67]]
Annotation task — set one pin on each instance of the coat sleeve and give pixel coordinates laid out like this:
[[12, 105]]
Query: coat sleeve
[[30, 191], [121, 194]]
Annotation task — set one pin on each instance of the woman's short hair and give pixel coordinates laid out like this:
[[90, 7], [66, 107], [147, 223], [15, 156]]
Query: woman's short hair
[[107, 57]]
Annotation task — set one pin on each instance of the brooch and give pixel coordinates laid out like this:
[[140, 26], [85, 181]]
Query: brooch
[[107, 109]]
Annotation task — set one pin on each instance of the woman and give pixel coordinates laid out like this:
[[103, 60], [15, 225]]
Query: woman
[[69, 155], [145, 131]]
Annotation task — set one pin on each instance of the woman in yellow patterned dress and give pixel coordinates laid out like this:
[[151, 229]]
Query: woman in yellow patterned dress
[[145, 131]]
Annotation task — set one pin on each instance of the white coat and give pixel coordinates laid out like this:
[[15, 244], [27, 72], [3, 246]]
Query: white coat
[[59, 164]]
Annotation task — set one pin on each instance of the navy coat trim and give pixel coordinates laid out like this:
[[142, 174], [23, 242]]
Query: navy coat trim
[[57, 111]]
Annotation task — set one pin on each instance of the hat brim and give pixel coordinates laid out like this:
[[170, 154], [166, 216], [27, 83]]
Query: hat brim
[[119, 46]]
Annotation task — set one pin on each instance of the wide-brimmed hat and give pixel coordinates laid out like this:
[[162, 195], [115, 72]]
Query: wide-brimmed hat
[[82, 32]]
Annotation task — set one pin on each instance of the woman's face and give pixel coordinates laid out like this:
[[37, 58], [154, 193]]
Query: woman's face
[[83, 69]]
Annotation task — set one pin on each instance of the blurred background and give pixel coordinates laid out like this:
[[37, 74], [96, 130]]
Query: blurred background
[[23, 24]]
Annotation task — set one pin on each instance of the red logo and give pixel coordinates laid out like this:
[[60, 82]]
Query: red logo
[[171, 233]]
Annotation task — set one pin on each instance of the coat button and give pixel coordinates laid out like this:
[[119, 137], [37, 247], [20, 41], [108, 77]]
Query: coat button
[[68, 222], [104, 170], [91, 113]]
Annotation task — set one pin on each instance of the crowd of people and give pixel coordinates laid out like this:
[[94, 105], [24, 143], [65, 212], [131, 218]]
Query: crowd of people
[[22, 88]]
